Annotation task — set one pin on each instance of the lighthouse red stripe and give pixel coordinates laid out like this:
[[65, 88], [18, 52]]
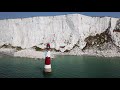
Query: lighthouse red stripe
[[47, 61]]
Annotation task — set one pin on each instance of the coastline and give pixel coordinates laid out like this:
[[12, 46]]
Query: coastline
[[31, 53], [68, 35]]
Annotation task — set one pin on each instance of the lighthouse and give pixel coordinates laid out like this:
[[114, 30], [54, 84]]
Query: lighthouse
[[47, 67]]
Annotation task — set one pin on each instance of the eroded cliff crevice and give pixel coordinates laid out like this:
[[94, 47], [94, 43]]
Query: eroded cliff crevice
[[102, 41], [99, 39]]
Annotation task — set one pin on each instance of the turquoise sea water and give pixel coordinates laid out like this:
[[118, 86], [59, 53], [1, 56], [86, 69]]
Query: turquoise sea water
[[62, 67]]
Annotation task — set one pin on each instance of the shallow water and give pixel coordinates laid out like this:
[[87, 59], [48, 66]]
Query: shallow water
[[62, 67]]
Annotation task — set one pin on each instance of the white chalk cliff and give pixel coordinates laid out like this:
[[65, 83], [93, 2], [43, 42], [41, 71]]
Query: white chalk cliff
[[65, 30]]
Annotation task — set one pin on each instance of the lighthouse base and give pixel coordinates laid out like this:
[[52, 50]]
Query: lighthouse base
[[48, 70]]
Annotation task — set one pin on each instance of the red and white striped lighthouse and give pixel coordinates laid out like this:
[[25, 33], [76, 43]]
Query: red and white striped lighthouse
[[47, 67]]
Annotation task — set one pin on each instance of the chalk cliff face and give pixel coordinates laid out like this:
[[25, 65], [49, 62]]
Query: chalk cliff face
[[67, 31]]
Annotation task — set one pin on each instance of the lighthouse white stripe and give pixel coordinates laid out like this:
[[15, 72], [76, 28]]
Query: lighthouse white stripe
[[47, 66], [48, 54]]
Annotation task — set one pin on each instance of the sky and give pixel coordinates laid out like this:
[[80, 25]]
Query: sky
[[4, 15]]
